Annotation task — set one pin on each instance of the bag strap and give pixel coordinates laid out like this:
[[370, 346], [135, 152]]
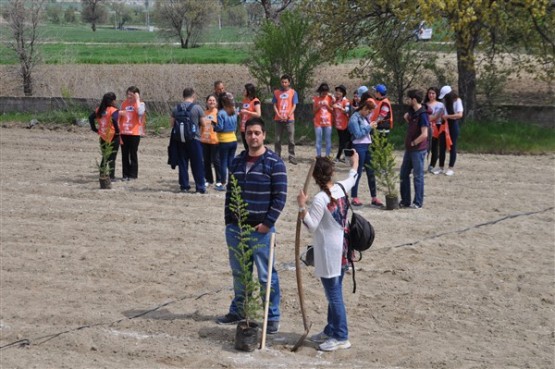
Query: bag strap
[[346, 196], [188, 111], [189, 108], [349, 249]]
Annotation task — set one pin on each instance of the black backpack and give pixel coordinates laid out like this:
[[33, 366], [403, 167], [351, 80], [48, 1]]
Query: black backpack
[[360, 236], [184, 129]]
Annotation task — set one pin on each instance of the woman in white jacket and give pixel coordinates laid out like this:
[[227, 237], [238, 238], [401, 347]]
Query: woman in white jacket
[[326, 219]]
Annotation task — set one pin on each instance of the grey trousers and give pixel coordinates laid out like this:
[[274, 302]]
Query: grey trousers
[[280, 127]]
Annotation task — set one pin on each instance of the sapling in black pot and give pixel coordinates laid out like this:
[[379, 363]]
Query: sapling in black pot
[[247, 333], [383, 163]]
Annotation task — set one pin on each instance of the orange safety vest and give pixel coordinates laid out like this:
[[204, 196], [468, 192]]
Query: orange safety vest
[[443, 128], [376, 112], [284, 102], [106, 129], [129, 121], [322, 117], [341, 117], [249, 105], [207, 133]]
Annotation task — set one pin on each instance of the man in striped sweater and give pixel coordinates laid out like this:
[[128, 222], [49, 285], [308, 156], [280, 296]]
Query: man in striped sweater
[[262, 176]]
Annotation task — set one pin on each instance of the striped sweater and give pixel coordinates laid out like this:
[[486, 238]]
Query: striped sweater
[[263, 188]]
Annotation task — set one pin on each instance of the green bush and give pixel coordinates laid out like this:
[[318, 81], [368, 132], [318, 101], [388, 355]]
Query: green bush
[[282, 48]]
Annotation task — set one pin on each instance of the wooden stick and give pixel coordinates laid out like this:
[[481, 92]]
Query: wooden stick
[[268, 288], [307, 324]]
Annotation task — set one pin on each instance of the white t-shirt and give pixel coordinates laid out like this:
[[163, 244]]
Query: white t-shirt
[[328, 234], [457, 107]]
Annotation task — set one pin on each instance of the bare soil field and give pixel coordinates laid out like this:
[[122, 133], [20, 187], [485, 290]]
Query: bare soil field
[[166, 82], [134, 277]]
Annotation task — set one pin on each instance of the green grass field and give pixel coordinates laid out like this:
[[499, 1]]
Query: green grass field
[[475, 137], [131, 53], [77, 44]]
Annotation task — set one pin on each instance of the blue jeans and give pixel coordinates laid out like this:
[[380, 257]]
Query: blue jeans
[[364, 160], [260, 259], [413, 161], [454, 130], [327, 136], [337, 315], [227, 153], [190, 152]]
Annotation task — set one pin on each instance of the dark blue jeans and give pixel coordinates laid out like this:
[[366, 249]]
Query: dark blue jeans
[[454, 130], [413, 161], [364, 160], [227, 153], [337, 315], [190, 152], [211, 158], [261, 244]]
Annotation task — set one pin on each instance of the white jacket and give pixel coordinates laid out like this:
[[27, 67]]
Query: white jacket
[[328, 234]]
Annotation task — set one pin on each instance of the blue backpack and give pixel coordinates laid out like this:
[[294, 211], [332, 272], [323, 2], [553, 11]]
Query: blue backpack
[[184, 129]]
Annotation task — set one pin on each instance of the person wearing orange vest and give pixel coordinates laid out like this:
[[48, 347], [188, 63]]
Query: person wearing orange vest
[[107, 117], [383, 114], [285, 101], [438, 127], [250, 108], [323, 118], [364, 94], [341, 111], [209, 141], [131, 121]]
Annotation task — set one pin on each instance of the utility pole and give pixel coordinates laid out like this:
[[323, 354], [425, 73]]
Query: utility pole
[[147, 6]]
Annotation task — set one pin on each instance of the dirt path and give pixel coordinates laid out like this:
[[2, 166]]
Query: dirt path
[[465, 282]]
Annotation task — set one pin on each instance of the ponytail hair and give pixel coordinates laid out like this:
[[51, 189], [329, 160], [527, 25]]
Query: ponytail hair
[[323, 173], [108, 99]]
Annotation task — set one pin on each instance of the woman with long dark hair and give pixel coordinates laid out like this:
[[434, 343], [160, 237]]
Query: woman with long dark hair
[[106, 115], [453, 114], [209, 141], [323, 118], [360, 130], [226, 127], [341, 114], [327, 220], [250, 108], [438, 128]]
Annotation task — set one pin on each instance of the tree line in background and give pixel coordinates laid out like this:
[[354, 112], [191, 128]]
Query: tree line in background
[[295, 37]]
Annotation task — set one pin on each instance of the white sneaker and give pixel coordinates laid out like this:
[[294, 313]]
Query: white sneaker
[[414, 206], [332, 344], [449, 172], [430, 169], [437, 171], [319, 337]]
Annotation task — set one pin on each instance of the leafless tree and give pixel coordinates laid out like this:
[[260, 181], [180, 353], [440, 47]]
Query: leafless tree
[[183, 19], [93, 12], [272, 12], [23, 19]]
